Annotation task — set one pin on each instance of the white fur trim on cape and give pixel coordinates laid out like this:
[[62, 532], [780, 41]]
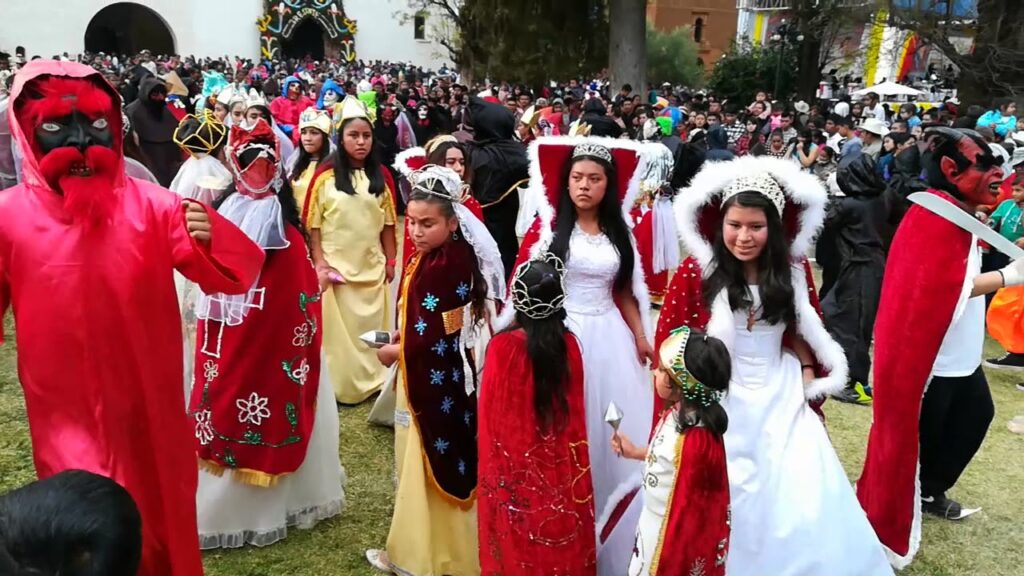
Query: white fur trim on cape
[[900, 562], [800, 188], [401, 161], [546, 215], [633, 483]]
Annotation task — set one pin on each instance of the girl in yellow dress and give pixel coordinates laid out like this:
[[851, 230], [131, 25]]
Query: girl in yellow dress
[[443, 307], [313, 157], [351, 218]]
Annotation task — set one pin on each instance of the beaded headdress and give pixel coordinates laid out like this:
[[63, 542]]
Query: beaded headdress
[[535, 308], [763, 183], [426, 179], [200, 133], [592, 150], [673, 359]]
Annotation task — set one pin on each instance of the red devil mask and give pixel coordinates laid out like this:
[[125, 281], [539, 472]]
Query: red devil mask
[[72, 127], [969, 170], [255, 158]]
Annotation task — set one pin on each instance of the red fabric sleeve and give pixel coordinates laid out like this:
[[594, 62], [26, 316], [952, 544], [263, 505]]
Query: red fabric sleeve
[[695, 536], [924, 278], [229, 265]]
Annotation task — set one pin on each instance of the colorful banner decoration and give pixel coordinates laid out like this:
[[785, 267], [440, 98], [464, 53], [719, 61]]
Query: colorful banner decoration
[[283, 17], [875, 37], [907, 58]]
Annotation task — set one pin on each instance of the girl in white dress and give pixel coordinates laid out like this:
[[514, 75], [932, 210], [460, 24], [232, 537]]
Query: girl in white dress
[[748, 224], [607, 306]]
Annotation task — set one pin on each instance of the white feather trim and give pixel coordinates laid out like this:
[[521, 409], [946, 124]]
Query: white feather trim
[[633, 483], [800, 188], [900, 562], [402, 160], [828, 353]]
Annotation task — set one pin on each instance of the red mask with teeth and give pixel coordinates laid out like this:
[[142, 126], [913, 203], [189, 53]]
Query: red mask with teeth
[[74, 132], [254, 156]]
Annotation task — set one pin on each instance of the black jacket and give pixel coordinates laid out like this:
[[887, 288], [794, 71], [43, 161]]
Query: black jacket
[[718, 145]]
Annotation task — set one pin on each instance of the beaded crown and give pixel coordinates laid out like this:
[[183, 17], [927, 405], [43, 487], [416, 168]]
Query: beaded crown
[[763, 183], [673, 358], [593, 150], [535, 308]]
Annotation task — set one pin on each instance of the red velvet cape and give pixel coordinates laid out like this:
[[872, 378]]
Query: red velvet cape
[[434, 295], [643, 232], [924, 278], [695, 532], [536, 508], [685, 305], [275, 354]]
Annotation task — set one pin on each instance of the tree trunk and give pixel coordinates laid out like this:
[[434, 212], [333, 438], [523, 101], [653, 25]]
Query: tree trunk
[[627, 51], [808, 74]]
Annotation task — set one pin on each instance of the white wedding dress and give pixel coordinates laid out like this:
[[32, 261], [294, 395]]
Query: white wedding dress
[[612, 373], [794, 512]]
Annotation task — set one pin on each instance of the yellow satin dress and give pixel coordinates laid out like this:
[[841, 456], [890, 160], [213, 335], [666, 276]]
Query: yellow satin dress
[[350, 235]]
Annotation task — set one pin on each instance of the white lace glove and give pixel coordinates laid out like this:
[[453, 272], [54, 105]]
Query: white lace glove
[[1013, 275]]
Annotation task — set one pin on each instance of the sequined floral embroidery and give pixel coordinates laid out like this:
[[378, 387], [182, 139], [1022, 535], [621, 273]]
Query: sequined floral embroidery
[[420, 327], [204, 427], [440, 348], [446, 405], [436, 377], [431, 302], [253, 410], [462, 290], [303, 336]]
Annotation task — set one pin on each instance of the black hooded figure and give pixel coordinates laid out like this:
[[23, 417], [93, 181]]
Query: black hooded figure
[[718, 145], [500, 167], [856, 221], [596, 116], [154, 124]]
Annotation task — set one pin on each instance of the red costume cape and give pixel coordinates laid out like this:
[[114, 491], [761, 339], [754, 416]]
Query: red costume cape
[[695, 531], [434, 296], [536, 510], [643, 232], [265, 370], [923, 282], [99, 336]]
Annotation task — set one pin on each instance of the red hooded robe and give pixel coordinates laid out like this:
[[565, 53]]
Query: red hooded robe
[[99, 334]]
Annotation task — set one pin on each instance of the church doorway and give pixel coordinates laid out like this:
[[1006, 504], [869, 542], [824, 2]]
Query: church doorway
[[307, 39], [109, 31]]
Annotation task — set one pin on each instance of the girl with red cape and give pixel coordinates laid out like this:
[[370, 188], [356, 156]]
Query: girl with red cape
[[442, 308], [265, 421], [536, 496], [592, 183], [684, 527], [747, 225]]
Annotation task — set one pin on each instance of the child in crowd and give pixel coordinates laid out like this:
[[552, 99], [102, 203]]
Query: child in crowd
[[684, 526]]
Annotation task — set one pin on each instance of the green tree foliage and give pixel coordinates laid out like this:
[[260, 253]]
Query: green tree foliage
[[672, 57], [532, 41], [745, 70]]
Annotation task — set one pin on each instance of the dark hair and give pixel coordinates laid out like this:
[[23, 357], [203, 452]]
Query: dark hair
[[304, 158], [688, 160], [1002, 102], [609, 214], [73, 524], [439, 156], [546, 347], [708, 361], [478, 291], [342, 164], [775, 272]]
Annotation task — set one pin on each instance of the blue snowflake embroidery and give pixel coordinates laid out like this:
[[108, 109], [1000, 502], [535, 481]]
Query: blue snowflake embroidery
[[441, 445], [446, 405], [430, 302], [462, 467], [462, 290], [456, 375], [466, 417], [441, 347], [455, 342], [437, 377], [421, 327]]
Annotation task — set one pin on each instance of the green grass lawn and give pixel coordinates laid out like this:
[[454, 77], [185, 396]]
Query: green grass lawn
[[989, 544]]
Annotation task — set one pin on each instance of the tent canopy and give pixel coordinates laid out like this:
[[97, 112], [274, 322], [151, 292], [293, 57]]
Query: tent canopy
[[890, 89]]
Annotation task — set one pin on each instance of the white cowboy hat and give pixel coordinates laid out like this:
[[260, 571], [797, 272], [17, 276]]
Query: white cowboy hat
[[874, 126]]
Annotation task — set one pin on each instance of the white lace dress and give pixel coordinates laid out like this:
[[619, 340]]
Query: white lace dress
[[612, 373], [794, 512]]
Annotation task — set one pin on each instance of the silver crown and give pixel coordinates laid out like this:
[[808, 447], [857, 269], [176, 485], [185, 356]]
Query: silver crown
[[593, 150], [763, 183], [536, 308], [426, 178]]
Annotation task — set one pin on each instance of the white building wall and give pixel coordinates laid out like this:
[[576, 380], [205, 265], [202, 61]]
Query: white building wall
[[216, 28]]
